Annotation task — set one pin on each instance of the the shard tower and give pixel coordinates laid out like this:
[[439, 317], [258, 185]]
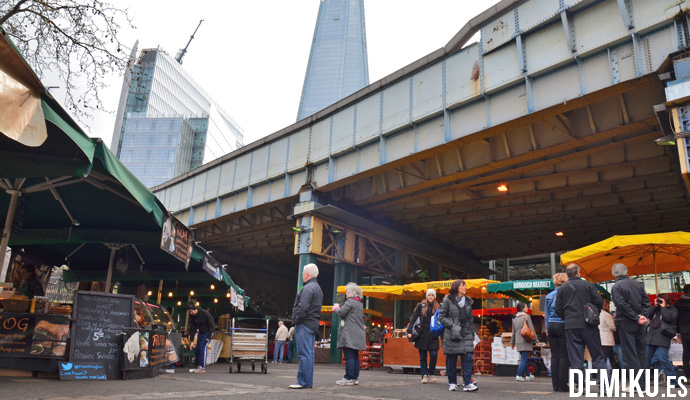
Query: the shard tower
[[338, 63]]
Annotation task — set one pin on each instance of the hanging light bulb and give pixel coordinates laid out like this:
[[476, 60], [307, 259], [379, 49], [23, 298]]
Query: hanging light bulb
[[191, 293], [170, 294], [215, 300], [197, 304], [149, 293], [213, 286], [227, 295], [179, 303]]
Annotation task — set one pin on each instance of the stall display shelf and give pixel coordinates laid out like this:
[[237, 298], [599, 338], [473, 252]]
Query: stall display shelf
[[369, 358]]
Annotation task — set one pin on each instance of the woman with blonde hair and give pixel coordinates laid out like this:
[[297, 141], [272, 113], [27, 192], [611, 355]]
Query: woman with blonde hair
[[555, 329], [351, 334], [425, 342]]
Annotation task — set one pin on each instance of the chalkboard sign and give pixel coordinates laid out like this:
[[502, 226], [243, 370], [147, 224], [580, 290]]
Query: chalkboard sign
[[76, 372], [96, 337]]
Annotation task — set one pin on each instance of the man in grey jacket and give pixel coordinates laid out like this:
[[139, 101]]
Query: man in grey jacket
[[306, 314]]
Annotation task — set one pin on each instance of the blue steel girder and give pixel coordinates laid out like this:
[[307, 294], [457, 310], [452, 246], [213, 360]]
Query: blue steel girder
[[537, 62]]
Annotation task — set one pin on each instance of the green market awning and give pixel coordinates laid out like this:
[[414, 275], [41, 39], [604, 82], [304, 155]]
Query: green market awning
[[523, 289]]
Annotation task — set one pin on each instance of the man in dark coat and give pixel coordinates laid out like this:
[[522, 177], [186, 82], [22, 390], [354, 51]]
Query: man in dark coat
[[683, 307], [632, 304], [31, 286], [306, 314], [201, 321], [570, 306]]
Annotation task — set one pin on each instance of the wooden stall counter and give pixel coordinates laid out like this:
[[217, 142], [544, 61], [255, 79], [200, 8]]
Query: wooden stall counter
[[401, 353]]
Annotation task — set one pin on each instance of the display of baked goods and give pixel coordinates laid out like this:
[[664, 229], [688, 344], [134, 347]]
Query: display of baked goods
[[58, 349], [60, 309]]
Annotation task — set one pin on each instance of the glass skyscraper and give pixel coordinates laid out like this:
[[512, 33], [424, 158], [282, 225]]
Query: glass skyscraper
[[338, 63], [166, 124]]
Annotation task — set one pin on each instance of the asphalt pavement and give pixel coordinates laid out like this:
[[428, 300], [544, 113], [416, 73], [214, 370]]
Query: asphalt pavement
[[217, 383]]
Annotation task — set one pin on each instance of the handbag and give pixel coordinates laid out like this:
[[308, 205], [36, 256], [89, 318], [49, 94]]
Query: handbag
[[667, 330], [416, 329], [526, 332]]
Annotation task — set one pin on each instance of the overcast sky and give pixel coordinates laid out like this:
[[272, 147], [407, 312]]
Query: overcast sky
[[250, 56]]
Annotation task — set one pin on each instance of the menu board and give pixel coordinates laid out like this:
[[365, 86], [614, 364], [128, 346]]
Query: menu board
[[33, 335], [99, 321], [147, 348], [176, 239]]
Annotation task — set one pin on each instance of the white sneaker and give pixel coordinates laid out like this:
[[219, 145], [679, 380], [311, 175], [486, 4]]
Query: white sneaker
[[453, 387], [425, 379], [470, 388], [529, 377], [356, 382], [433, 379], [520, 379], [345, 382]]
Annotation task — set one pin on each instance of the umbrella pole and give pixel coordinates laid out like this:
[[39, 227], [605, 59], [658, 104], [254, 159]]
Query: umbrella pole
[[656, 282], [109, 278], [9, 220]]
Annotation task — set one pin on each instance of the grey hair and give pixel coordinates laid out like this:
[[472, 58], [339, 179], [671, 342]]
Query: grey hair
[[311, 269], [572, 270], [352, 290], [619, 269], [281, 323]]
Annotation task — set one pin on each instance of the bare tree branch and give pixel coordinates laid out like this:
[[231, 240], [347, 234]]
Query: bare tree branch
[[77, 40]]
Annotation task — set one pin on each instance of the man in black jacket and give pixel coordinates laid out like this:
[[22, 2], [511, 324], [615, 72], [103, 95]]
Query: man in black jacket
[[201, 321], [632, 304], [683, 307], [570, 305], [306, 314]]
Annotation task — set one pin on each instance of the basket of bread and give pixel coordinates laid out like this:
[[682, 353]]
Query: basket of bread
[[17, 303]]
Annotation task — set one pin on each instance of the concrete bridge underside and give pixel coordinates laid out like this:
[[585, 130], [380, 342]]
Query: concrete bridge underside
[[561, 112]]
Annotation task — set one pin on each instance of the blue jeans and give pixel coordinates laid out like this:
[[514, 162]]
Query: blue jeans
[[278, 349], [290, 343], [467, 360], [305, 352], [522, 368], [201, 342], [619, 354], [433, 355], [659, 355], [351, 363]]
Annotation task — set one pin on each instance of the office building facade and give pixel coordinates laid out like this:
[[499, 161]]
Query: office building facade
[[338, 63], [166, 124]]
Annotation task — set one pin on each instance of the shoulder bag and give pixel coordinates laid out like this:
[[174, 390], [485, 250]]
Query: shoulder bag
[[526, 332], [667, 330]]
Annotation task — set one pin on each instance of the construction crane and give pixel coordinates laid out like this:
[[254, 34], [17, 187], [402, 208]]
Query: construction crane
[[182, 52]]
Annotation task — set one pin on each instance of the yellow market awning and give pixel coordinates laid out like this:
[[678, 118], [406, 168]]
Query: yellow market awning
[[329, 310], [642, 254], [383, 292], [476, 288]]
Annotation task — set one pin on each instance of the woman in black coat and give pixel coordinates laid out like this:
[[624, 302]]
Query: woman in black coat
[[425, 342], [658, 343]]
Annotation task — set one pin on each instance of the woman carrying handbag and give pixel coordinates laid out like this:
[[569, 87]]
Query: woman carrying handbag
[[458, 335], [521, 340], [662, 317], [425, 341]]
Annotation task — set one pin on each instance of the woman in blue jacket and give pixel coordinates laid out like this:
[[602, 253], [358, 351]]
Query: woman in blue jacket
[[555, 328]]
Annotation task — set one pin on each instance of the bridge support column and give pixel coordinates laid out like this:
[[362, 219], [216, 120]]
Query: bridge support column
[[399, 309], [341, 277]]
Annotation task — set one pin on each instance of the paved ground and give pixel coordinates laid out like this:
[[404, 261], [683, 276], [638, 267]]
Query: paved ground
[[217, 383]]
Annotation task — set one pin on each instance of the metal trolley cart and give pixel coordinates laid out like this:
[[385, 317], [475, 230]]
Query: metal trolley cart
[[248, 344]]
